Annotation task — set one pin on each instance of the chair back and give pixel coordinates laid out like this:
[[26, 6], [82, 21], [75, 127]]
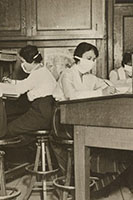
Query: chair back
[[62, 131]]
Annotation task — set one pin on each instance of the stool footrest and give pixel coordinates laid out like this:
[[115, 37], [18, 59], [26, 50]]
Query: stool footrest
[[31, 170], [10, 141], [12, 193], [38, 186], [61, 185]]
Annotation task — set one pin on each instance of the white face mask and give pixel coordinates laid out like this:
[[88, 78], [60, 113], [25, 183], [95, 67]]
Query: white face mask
[[128, 69], [85, 65]]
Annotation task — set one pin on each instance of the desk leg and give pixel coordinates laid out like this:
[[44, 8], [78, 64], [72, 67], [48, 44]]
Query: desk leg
[[82, 164]]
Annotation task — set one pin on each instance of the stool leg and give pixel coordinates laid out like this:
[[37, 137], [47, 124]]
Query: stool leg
[[33, 178], [49, 159], [44, 169], [68, 175], [2, 175]]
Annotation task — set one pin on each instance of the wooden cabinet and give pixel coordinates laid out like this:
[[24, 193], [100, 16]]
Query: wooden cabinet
[[64, 19], [123, 29], [12, 18], [52, 19], [120, 29], [68, 19]]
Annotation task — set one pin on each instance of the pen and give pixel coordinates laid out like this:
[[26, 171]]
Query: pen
[[5, 77], [107, 83]]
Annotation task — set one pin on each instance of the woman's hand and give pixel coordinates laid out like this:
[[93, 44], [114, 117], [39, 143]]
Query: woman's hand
[[109, 90], [6, 80]]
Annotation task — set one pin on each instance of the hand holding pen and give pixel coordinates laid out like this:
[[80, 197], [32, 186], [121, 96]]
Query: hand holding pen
[[110, 89], [5, 79]]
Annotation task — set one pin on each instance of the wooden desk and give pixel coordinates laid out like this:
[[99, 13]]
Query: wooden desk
[[98, 122]]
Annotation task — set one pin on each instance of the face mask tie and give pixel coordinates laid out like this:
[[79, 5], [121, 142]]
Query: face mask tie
[[36, 55]]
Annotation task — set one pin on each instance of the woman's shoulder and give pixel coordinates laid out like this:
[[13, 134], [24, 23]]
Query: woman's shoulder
[[68, 71], [113, 72], [41, 70]]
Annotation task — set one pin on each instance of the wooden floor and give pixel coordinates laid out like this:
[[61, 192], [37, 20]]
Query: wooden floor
[[20, 183], [120, 194]]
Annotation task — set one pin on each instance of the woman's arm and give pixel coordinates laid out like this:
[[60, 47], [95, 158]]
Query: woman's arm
[[19, 88], [10, 81], [70, 91], [113, 76]]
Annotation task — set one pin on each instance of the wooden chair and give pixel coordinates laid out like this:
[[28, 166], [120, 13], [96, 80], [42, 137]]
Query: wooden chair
[[66, 183], [7, 192], [43, 160], [62, 138]]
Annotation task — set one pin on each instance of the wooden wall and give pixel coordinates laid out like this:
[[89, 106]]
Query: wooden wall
[[123, 29], [50, 25]]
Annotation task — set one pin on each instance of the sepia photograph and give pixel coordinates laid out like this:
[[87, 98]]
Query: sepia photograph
[[66, 99]]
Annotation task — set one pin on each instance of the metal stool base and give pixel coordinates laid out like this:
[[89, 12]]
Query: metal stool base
[[12, 193]]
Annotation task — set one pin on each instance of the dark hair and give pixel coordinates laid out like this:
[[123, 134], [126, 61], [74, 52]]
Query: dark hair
[[127, 58], [82, 48], [30, 53]]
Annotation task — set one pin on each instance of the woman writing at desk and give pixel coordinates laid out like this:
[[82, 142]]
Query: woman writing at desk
[[124, 72], [39, 86], [78, 82]]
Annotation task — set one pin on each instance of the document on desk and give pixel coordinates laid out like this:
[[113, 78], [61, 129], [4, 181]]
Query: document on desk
[[122, 86], [8, 90]]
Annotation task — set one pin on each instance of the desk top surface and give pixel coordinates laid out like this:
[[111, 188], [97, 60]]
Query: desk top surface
[[116, 96], [107, 111]]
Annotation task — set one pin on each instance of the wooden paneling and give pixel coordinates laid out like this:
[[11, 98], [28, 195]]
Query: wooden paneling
[[101, 69], [12, 17], [64, 14], [68, 19], [123, 1], [110, 47], [123, 40], [128, 33], [48, 20], [8, 20]]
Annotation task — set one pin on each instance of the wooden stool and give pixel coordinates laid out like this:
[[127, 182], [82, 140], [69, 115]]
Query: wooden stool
[[62, 138], [7, 192], [42, 138], [66, 183], [63, 183]]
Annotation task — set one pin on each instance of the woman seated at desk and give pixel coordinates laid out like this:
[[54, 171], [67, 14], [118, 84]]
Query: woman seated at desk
[[21, 104], [39, 86], [124, 72], [75, 83], [122, 77]]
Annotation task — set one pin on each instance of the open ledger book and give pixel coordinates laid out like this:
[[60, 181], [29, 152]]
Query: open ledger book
[[8, 91]]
